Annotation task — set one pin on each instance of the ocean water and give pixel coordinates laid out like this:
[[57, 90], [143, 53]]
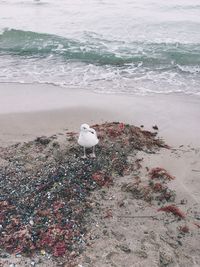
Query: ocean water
[[108, 46]]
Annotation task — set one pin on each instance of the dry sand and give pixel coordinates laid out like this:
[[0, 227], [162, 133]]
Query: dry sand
[[27, 111], [121, 239]]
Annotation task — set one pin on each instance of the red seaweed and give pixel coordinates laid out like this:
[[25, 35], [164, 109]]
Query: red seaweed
[[160, 173], [197, 224], [59, 249], [184, 229], [173, 209]]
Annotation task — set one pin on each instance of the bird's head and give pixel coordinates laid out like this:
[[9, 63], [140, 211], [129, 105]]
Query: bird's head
[[85, 127]]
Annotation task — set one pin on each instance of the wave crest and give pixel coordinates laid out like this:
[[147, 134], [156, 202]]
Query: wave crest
[[98, 51]]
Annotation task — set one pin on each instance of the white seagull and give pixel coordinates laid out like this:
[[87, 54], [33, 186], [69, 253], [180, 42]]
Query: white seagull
[[87, 138]]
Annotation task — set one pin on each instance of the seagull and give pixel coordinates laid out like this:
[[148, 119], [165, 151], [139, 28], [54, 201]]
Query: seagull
[[87, 138]]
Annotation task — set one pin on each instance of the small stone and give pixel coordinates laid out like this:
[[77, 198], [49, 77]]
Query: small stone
[[155, 127], [42, 252], [125, 248], [179, 242], [142, 254], [31, 222], [183, 201], [73, 253], [87, 259], [105, 232], [56, 144], [121, 203], [43, 140], [197, 216], [166, 257], [118, 236], [110, 255], [4, 255]]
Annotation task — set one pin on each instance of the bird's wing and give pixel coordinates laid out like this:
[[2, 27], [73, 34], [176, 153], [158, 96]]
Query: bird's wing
[[93, 131]]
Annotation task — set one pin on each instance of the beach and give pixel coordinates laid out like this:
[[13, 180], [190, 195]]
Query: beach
[[30, 110], [117, 237], [130, 70]]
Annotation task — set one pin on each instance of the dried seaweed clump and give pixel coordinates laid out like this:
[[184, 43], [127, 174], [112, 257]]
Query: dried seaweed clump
[[159, 178], [160, 173], [155, 189], [150, 192], [129, 136], [44, 188], [184, 229], [173, 209]]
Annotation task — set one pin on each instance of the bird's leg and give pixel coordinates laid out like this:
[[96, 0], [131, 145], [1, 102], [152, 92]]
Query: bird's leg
[[84, 156], [93, 152]]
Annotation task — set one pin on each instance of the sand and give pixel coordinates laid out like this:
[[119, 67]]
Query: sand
[[28, 111]]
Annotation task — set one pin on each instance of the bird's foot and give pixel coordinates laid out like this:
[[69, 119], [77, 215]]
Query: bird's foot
[[92, 155], [84, 157]]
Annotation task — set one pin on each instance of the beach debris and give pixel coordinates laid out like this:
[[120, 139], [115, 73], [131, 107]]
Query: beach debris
[[173, 209], [197, 224], [166, 257], [124, 247], [183, 201], [108, 214], [132, 136], [155, 127], [43, 140], [153, 190], [184, 229], [160, 173], [44, 189], [102, 179]]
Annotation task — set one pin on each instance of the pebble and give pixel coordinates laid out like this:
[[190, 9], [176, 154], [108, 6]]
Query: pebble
[[4, 255], [73, 253], [166, 257], [43, 252], [31, 222], [142, 254], [87, 259], [124, 248]]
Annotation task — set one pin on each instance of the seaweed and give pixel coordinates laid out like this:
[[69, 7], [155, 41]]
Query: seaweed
[[173, 209], [197, 225], [44, 189], [184, 229], [160, 173]]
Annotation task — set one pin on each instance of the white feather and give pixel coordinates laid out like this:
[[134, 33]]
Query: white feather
[[87, 137]]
